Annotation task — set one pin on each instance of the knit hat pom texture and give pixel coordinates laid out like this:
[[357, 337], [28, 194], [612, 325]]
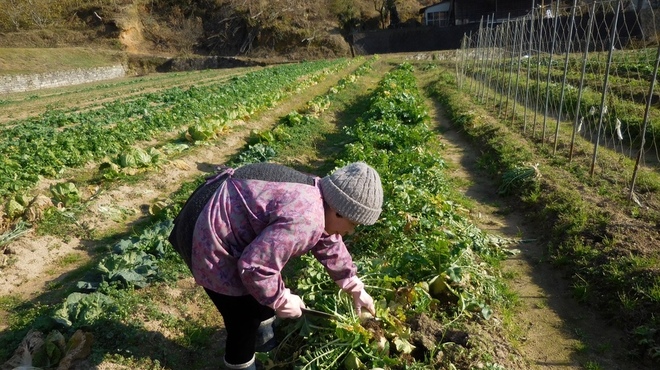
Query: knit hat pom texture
[[355, 192]]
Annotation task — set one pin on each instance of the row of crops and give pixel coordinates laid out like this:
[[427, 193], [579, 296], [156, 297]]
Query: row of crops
[[46, 145], [91, 96], [422, 261]]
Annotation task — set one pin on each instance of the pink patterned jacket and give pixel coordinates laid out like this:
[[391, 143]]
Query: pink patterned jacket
[[250, 229]]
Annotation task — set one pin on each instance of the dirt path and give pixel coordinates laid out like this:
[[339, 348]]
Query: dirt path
[[553, 331]]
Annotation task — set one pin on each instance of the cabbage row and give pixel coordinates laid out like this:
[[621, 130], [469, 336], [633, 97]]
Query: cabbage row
[[49, 143]]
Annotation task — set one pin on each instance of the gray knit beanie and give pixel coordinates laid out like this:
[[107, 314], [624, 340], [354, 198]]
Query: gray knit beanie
[[355, 192]]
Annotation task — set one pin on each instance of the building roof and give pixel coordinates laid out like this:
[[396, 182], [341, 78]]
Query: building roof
[[447, 5]]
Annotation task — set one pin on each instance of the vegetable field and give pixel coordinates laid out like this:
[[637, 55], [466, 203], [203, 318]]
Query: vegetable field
[[108, 171], [587, 73], [578, 83]]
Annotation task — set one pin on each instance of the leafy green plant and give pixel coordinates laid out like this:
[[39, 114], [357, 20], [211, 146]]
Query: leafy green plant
[[83, 309], [294, 119], [20, 228], [130, 269], [205, 130], [138, 158], [14, 209], [519, 179], [65, 193], [259, 152]]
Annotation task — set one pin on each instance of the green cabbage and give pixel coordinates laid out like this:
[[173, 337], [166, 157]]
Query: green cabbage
[[201, 132], [205, 130], [65, 193], [135, 158], [14, 209], [84, 309]]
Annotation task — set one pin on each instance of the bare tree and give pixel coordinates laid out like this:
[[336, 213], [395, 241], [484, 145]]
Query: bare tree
[[14, 11], [381, 6]]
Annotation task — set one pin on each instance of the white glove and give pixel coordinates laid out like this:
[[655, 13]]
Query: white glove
[[289, 306], [361, 298]]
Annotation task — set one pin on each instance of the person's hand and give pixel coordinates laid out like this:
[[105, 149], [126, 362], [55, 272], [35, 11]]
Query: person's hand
[[363, 299], [290, 306]]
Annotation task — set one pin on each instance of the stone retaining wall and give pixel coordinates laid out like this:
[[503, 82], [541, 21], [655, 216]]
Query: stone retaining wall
[[20, 83]]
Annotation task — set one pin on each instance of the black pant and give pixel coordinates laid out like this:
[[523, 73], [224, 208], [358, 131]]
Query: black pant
[[242, 316]]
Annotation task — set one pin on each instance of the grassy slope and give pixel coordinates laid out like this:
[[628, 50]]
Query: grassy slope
[[38, 60]]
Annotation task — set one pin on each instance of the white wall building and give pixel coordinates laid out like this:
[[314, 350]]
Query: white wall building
[[437, 15]]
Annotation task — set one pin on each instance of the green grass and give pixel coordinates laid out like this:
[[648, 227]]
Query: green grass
[[9, 302], [64, 223], [42, 60], [69, 259], [592, 365]]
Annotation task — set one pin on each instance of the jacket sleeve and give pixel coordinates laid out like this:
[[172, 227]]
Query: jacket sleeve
[[261, 263], [331, 252]]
